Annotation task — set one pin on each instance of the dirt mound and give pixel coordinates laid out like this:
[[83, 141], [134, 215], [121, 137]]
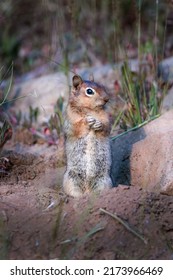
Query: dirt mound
[[38, 221]]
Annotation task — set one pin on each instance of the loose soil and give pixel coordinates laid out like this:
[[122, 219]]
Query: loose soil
[[38, 221]]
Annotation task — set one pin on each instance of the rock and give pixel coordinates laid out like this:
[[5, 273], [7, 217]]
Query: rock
[[145, 157], [42, 92], [165, 69], [168, 101]]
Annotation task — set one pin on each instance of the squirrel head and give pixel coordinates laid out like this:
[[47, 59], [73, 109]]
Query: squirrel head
[[87, 94]]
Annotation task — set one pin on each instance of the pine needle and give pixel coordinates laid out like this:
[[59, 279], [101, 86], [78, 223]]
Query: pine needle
[[126, 225]]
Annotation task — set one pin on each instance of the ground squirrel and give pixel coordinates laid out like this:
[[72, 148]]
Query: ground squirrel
[[87, 142]]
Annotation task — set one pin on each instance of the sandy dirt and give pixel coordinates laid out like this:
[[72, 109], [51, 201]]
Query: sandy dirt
[[38, 221]]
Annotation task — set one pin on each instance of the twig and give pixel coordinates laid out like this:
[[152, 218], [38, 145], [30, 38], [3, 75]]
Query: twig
[[126, 225]]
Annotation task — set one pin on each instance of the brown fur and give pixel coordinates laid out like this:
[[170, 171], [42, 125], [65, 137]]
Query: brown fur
[[87, 129]]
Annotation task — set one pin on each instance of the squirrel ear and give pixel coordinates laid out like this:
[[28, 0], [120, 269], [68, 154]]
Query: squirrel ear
[[77, 80], [91, 77]]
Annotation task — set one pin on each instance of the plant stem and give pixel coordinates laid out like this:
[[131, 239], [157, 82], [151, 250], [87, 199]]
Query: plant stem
[[9, 87], [155, 35], [136, 127], [139, 32]]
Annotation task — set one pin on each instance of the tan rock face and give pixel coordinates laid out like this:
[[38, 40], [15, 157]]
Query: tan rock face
[[145, 157], [42, 92]]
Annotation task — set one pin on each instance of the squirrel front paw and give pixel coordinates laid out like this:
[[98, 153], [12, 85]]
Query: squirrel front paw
[[93, 123], [90, 120], [97, 125]]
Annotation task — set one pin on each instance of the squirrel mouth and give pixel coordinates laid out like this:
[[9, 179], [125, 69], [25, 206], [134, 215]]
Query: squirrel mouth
[[101, 106]]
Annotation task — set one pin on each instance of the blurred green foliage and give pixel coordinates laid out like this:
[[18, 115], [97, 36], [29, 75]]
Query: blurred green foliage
[[142, 97], [102, 26], [9, 47]]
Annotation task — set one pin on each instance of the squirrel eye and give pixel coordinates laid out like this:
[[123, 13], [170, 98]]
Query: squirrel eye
[[89, 91]]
